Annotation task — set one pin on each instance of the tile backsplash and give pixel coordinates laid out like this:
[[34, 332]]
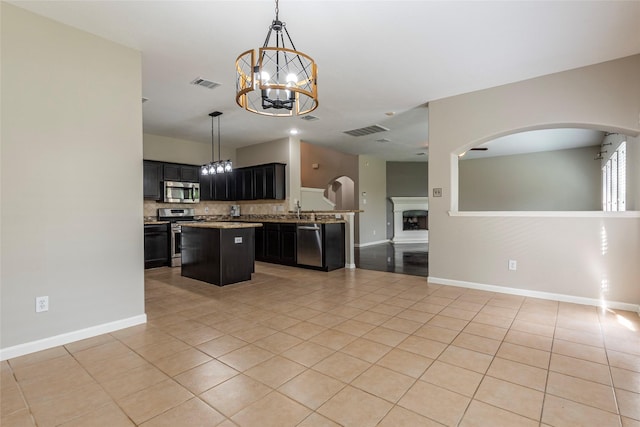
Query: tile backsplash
[[269, 207]]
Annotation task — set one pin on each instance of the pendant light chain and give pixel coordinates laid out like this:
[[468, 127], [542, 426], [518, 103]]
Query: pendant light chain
[[277, 10], [213, 145]]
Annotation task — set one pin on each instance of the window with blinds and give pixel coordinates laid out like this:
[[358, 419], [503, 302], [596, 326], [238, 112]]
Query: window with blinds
[[614, 181]]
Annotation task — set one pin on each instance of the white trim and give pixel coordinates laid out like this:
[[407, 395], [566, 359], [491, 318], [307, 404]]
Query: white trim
[[350, 266], [552, 214], [363, 245], [536, 294], [411, 240], [68, 337]]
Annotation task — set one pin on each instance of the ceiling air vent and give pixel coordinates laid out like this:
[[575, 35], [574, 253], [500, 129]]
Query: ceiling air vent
[[366, 131], [205, 83], [309, 118]]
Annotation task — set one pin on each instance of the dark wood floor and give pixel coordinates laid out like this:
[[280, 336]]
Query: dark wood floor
[[410, 259]]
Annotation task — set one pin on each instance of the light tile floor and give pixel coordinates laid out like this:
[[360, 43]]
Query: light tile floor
[[296, 347]]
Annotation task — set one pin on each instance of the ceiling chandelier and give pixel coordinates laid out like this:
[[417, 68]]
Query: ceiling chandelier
[[220, 166], [279, 80]]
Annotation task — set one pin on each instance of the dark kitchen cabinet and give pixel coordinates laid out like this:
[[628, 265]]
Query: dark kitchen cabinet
[[288, 244], [183, 173], [152, 179], [156, 245], [272, 242], [224, 187], [206, 188], [243, 183], [259, 244], [276, 243], [269, 181]]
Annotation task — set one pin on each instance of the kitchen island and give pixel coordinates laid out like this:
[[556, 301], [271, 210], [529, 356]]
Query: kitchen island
[[220, 253]]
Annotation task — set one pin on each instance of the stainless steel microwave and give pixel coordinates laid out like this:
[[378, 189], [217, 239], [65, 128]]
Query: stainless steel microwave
[[181, 192]]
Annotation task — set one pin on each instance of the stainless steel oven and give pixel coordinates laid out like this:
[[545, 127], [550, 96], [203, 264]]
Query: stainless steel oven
[[176, 217]]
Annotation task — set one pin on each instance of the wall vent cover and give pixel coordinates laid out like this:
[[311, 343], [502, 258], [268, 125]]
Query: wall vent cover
[[367, 130], [309, 118], [209, 84]]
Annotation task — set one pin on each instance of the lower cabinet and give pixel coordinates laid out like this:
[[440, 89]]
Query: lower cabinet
[[156, 245], [288, 249], [277, 243]]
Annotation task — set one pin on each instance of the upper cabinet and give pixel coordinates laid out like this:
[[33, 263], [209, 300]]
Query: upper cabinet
[[152, 180], [269, 181], [262, 182], [182, 173]]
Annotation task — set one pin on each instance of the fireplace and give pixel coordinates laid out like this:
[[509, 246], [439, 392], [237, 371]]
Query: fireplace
[[415, 219], [410, 219]]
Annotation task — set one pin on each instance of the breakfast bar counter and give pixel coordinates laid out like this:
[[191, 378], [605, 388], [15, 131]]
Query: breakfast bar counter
[[220, 253]]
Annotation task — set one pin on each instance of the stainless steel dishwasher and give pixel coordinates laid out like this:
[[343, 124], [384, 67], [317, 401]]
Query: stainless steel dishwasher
[[309, 244]]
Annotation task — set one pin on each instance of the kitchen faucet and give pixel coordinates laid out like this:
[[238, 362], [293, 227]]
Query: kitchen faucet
[[298, 208]]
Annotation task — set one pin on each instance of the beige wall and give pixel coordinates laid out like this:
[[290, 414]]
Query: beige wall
[[71, 172], [165, 149], [331, 165], [287, 151], [580, 256], [561, 180], [372, 178], [267, 152]]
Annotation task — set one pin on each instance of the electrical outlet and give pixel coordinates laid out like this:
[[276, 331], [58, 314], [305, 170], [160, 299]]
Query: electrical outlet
[[437, 192], [206, 209], [513, 265], [42, 304]]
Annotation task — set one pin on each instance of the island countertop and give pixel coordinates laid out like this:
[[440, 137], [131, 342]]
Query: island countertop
[[222, 224]]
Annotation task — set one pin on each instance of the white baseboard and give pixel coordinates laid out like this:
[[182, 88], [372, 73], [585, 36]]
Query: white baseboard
[[536, 294], [363, 245], [66, 338], [349, 266], [409, 241]]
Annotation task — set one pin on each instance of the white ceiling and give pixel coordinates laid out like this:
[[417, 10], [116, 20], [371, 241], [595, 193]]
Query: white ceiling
[[374, 57]]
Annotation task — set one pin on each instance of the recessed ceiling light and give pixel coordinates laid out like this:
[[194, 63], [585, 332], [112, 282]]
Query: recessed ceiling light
[[390, 113], [293, 132]]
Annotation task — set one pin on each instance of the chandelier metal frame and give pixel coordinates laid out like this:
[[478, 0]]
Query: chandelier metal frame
[[277, 80]]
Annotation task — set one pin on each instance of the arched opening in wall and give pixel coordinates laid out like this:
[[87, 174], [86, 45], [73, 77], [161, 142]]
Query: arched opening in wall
[[341, 192], [560, 169]]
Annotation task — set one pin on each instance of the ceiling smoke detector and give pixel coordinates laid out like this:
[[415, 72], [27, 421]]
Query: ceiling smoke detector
[[366, 130], [209, 84]]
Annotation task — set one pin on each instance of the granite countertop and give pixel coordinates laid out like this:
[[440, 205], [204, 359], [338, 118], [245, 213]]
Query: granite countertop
[[222, 224], [297, 221], [155, 222]]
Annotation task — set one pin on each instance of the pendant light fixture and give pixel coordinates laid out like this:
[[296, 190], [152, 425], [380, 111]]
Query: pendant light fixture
[[220, 166], [279, 80]]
